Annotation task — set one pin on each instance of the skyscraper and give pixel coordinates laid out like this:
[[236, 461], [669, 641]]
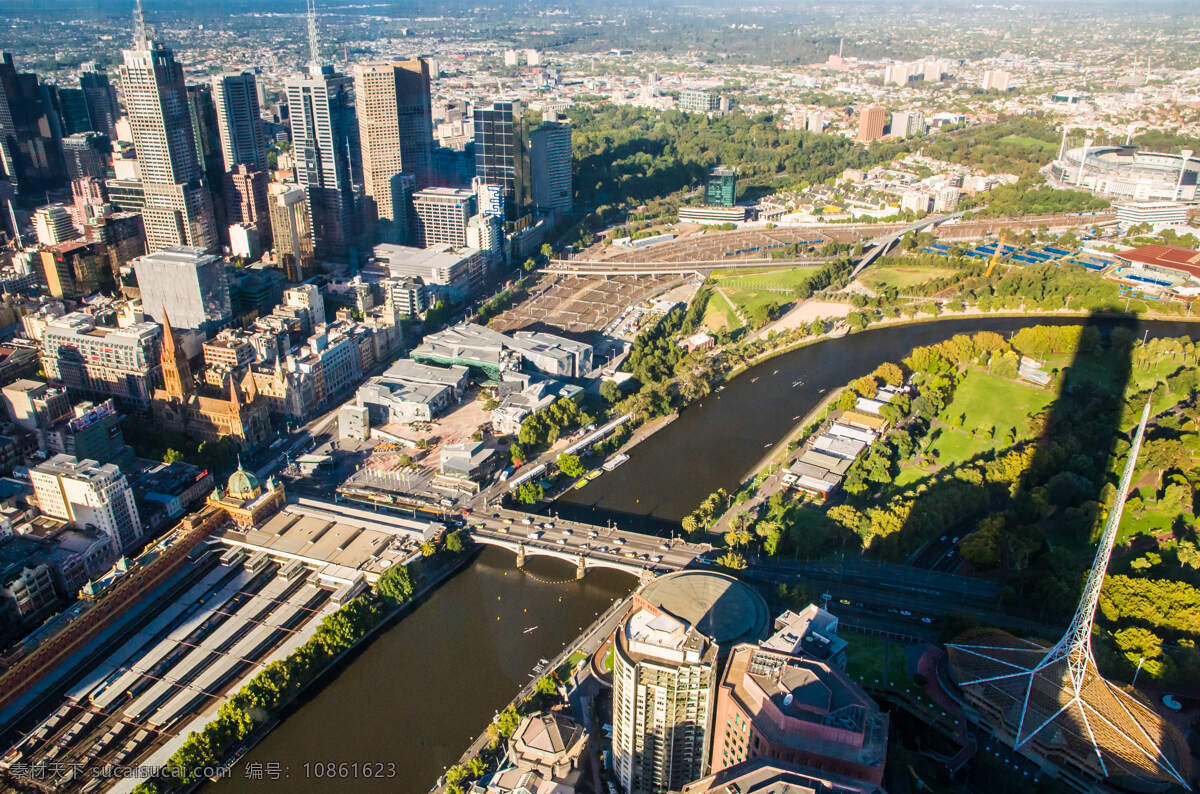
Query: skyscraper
[[441, 216], [291, 230], [550, 167], [86, 155], [178, 208], [326, 148], [239, 121], [500, 155], [395, 128], [30, 132], [72, 109], [206, 132], [871, 122], [721, 188], [665, 658], [101, 100], [325, 145], [246, 200]]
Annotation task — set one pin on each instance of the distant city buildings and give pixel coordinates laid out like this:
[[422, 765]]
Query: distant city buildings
[[995, 80], [695, 100], [501, 158], [442, 215], [906, 123]]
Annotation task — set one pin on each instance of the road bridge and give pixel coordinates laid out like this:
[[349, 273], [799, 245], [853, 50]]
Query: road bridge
[[568, 267], [881, 244], [585, 545]]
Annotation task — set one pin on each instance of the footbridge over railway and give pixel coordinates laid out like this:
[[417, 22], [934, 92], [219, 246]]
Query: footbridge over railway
[[878, 246]]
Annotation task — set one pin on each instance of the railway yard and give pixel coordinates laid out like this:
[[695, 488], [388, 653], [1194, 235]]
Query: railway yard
[[136, 702]]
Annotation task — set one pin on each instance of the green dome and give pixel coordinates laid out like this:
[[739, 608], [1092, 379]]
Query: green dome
[[243, 484]]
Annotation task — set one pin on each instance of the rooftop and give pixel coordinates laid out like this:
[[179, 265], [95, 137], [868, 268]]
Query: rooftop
[[1168, 256], [717, 605]]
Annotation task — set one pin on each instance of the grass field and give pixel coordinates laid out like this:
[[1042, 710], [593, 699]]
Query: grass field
[[953, 446], [988, 400], [752, 301], [766, 280], [1026, 142], [902, 276], [876, 662], [719, 316]]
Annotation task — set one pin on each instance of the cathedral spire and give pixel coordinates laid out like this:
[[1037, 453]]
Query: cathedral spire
[[176, 373]]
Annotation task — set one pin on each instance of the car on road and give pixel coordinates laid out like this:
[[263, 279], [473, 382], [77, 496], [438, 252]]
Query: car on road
[[593, 534], [508, 521], [665, 546], [503, 530], [527, 521], [656, 558], [534, 535], [561, 541], [620, 541], [631, 555], [926, 620], [906, 613]]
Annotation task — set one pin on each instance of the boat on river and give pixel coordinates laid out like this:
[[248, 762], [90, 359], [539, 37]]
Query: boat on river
[[614, 462]]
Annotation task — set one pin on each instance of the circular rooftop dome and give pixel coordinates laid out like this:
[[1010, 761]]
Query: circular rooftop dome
[[243, 484], [718, 605]]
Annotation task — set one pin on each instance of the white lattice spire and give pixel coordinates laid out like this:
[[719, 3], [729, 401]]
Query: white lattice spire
[[1074, 650], [314, 41]]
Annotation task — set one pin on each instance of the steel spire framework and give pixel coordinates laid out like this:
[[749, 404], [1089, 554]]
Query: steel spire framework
[[1057, 700], [314, 41]]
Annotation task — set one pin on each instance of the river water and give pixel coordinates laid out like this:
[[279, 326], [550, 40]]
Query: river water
[[419, 694]]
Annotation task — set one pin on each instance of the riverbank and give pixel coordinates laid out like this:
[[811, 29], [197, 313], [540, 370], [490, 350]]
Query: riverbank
[[432, 577], [587, 643]]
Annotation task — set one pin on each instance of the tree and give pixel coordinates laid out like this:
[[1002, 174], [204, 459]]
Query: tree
[[847, 400], [396, 585], [732, 560], [610, 391], [516, 454], [570, 465], [454, 542], [546, 686], [172, 456], [427, 548], [889, 373], [529, 493]]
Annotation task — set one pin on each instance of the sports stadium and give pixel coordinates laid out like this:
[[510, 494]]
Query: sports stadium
[[1125, 172]]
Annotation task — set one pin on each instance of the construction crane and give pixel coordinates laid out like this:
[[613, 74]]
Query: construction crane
[[995, 256]]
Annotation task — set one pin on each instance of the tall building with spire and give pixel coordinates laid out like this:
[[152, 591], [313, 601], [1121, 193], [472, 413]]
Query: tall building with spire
[[203, 411], [178, 206], [395, 128], [326, 149]]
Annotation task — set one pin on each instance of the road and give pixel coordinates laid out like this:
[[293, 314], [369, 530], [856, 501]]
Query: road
[[608, 543]]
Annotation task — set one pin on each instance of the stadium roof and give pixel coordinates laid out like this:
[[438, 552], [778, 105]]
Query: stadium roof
[[1166, 256]]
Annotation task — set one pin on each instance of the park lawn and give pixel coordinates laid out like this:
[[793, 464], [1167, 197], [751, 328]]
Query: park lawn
[[876, 662], [787, 279], [986, 399], [753, 302], [902, 276], [1026, 142], [1097, 369], [1151, 522], [909, 475], [953, 447], [719, 316]]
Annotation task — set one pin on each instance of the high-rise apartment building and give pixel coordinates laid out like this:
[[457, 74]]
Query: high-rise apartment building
[[53, 224], [871, 122], [101, 100], [178, 208], [101, 362], [395, 128], [550, 167], [86, 155], [501, 156], [88, 493], [906, 123], [995, 80], [30, 132], [239, 122], [291, 230], [665, 659], [77, 268], [442, 214], [695, 100], [187, 285]]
